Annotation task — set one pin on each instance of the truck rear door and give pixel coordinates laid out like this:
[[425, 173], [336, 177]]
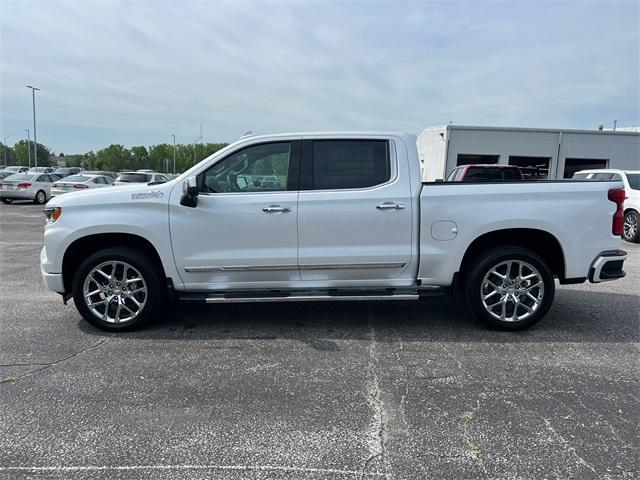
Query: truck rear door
[[354, 211]]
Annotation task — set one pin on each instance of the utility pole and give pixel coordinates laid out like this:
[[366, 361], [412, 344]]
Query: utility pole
[[35, 140], [4, 147], [194, 151], [174, 154], [28, 146]]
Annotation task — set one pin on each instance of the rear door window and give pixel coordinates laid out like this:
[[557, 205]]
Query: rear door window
[[348, 164]]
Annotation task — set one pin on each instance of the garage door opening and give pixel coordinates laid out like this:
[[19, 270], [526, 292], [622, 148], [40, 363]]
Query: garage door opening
[[573, 165], [533, 168], [467, 159]]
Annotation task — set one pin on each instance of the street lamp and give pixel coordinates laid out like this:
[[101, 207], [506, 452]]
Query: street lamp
[[35, 140], [28, 146], [174, 154], [4, 147]]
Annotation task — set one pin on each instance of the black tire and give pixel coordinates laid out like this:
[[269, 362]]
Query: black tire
[[631, 229], [7, 201], [140, 263], [524, 303], [40, 198]]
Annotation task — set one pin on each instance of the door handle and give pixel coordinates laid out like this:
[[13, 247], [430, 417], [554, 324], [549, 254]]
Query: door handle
[[276, 209], [390, 206]]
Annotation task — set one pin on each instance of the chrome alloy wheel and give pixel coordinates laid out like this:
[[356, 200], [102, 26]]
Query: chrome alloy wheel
[[630, 228], [512, 291], [115, 292]]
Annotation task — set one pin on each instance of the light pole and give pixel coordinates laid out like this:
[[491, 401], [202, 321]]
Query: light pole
[[35, 139], [28, 146], [4, 147], [174, 154]]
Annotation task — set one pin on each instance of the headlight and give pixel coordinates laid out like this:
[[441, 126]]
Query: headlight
[[52, 214]]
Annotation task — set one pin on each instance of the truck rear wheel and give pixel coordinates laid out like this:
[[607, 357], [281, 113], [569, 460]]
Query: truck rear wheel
[[509, 288], [118, 289]]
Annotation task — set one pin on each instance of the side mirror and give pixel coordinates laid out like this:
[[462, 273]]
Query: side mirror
[[189, 192]]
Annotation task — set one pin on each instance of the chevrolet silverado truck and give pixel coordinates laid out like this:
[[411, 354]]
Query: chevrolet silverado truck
[[328, 217]]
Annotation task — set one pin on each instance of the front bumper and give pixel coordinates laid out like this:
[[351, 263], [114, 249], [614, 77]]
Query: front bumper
[[608, 266], [53, 281]]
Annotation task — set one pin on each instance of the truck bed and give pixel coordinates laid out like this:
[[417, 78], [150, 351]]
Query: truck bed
[[455, 214]]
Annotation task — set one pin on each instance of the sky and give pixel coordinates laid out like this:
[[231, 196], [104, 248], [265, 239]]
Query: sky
[[134, 73]]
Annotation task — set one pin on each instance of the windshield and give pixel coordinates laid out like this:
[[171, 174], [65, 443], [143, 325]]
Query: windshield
[[134, 177], [634, 180]]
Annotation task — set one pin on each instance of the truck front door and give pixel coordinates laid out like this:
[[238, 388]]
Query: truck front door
[[243, 231]]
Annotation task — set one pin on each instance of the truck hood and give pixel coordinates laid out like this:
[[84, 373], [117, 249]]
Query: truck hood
[[115, 195]]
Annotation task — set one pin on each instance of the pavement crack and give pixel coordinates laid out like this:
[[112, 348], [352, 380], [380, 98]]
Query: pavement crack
[[378, 429], [475, 449], [568, 446], [45, 366]]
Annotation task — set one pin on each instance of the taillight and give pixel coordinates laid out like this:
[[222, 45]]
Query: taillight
[[80, 185], [24, 185], [55, 185], [113, 184], [617, 196]]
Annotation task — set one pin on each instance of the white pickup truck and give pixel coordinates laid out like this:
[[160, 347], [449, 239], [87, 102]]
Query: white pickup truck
[[328, 216]]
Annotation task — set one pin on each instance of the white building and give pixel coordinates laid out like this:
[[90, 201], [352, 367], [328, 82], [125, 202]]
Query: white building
[[543, 152]]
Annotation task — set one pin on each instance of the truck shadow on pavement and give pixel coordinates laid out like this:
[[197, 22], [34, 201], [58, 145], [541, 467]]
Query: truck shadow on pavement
[[576, 316]]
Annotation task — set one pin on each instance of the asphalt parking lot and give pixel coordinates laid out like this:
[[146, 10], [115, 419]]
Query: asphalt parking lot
[[311, 391]]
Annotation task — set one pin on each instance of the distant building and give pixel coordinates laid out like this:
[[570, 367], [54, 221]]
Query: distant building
[[541, 152], [59, 160]]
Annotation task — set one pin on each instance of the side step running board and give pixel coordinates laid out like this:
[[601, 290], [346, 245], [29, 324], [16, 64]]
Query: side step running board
[[309, 298], [331, 295]]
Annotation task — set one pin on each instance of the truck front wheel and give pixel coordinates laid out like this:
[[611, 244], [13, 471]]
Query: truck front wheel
[[509, 288], [118, 288]]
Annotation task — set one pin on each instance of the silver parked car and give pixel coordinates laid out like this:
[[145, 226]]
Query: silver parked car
[[78, 183], [26, 186], [66, 171], [139, 177]]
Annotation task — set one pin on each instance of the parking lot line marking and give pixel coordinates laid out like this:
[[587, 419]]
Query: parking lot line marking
[[97, 468]]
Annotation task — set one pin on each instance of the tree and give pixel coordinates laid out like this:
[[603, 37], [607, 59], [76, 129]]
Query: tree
[[9, 152], [24, 150], [114, 158], [139, 157]]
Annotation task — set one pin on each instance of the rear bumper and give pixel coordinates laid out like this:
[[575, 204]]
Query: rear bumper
[[18, 194], [608, 266]]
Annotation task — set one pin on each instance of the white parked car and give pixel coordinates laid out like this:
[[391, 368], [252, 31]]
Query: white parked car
[[40, 170], [631, 181], [78, 183], [349, 220], [139, 177], [26, 186], [15, 169]]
